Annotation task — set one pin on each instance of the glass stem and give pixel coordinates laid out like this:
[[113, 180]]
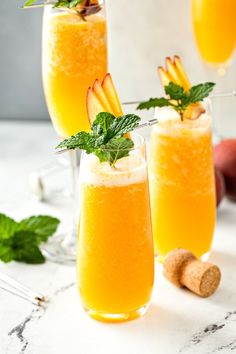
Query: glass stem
[[71, 239]]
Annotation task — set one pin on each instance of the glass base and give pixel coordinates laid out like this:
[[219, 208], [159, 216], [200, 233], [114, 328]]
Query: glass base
[[117, 317], [60, 249]]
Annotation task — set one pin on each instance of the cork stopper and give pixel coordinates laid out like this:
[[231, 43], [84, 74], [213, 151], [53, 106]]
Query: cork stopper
[[183, 270]]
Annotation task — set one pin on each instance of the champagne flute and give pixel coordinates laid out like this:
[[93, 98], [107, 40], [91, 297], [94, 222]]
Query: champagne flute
[[214, 25], [74, 55]]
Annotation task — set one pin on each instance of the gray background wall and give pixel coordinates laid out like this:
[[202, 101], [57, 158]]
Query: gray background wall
[[20, 62], [140, 36]]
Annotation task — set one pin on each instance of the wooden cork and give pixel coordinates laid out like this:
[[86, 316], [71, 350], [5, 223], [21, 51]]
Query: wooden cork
[[183, 269]]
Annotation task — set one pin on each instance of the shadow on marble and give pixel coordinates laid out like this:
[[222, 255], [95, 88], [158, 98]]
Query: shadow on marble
[[225, 260]]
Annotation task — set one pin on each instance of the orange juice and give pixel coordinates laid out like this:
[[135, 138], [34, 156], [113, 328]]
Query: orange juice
[[74, 55], [182, 186], [115, 261], [214, 23]]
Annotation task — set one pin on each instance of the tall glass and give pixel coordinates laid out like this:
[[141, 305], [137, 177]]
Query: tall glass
[[115, 264], [182, 184], [74, 55]]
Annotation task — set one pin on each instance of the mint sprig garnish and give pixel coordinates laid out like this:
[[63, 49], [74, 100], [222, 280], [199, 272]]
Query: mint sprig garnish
[[106, 139], [57, 3], [87, 7], [178, 98], [19, 241]]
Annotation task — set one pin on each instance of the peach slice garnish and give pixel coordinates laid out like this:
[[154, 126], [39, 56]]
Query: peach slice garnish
[[112, 96], [175, 73], [99, 92], [182, 73], [94, 106], [103, 98], [164, 76], [193, 111]]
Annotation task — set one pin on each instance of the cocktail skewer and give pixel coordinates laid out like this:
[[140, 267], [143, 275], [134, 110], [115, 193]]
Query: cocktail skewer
[[155, 121], [16, 288], [214, 95]]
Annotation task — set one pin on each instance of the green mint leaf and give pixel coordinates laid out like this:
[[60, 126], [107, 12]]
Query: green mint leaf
[[8, 226], [102, 122], [118, 148], [174, 91], [42, 225], [122, 125], [82, 140], [6, 252], [105, 130], [74, 3], [199, 92], [89, 8], [20, 241], [25, 248], [154, 102], [62, 3], [114, 150], [29, 2]]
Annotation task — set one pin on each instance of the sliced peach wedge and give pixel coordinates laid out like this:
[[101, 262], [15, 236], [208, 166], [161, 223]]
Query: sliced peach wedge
[[99, 92], [174, 72], [112, 96], [182, 73], [103, 98], [94, 106]]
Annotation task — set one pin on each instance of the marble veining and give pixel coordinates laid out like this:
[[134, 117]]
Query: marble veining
[[210, 330], [36, 314], [19, 329]]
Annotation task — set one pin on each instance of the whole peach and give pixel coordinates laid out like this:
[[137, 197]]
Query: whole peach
[[225, 160], [220, 186]]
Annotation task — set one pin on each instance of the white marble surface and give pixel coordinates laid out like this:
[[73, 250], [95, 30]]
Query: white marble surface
[[177, 321]]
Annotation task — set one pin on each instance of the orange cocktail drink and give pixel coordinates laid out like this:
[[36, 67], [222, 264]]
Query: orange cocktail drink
[[214, 23], [74, 55], [182, 184], [115, 263]]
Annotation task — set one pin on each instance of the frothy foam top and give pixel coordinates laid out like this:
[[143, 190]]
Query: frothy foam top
[[170, 122], [128, 170]]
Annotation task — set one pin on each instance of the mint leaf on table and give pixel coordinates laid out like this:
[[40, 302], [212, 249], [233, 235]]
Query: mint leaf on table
[[8, 226], [106, 138], [42, 225], [178, 98], [19, 241], [25, 246], [7, 253]]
